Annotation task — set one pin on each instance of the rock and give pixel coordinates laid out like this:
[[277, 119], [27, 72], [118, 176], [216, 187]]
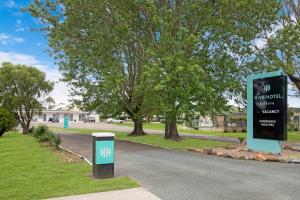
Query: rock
[[195, 150], [227, 155], [230, 147], [293, 160], [272, 158], [283, 160], [220, 153], [211, 152], [237, 157], [296, 149], [243, 158], [259, 157], [287, 147]]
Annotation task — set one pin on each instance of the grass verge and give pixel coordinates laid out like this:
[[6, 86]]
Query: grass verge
[[30, 171], [158, 140], [292, 135]]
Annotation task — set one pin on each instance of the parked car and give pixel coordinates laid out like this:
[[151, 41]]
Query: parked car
[[90, 119], [111, 120]]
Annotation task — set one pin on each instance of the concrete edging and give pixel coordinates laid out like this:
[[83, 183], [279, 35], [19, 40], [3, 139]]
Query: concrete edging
[[78, 155]]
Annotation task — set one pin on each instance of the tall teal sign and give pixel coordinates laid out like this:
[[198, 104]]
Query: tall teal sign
[[266, 111], [66, 122], [104, 152]]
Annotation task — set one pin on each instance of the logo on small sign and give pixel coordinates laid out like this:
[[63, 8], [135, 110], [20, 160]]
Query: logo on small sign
[[267, 88], [105, 152]]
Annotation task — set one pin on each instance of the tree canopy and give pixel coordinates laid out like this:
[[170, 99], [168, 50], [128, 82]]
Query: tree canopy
[[102, 51], [279, 48], [173, 58]]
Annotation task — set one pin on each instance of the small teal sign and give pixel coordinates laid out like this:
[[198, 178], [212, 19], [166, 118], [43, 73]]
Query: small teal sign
[[66, 122], [105, 152]]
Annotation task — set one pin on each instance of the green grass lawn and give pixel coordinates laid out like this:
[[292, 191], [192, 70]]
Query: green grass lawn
[[154, 126], [156, 140], [31, 171], [292, 135]]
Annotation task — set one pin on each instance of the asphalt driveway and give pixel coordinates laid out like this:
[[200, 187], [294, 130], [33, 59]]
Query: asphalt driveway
[[116, 128], [173, 175]]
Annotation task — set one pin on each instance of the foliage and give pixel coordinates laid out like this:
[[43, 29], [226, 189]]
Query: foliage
[[50, 102], [241, 139], [31, 130], [7, 121], [102, 51], [279, 48], [43, 134], [22, 89], [171, 58], [31, 172]]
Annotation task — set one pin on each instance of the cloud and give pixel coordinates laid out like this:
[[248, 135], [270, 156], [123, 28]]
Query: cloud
[[60, 92], [19, 26], [10, 4], [8, 39], [20, 29]]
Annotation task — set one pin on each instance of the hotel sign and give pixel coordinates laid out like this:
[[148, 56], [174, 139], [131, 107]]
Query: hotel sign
[[270, 108]]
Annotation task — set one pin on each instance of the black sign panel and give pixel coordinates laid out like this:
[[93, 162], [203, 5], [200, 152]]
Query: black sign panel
[[270, 108]]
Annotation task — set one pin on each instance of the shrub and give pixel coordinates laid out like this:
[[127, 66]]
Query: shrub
[[43, 134], [31, 130], [296, 129], [54, 139], [225, 130], [7, 121], [234, 130], [244, 130], [241, 139], [40, 131]]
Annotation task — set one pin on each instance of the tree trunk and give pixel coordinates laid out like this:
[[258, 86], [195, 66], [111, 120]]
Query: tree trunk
[[138, 128], [25, 128], [295, 80], [2, 131], [171, 131]]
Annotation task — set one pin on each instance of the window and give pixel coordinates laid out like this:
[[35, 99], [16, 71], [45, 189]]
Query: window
[[82, 116]]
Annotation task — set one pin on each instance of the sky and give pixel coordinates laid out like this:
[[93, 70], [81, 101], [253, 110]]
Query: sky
[[20, 45]]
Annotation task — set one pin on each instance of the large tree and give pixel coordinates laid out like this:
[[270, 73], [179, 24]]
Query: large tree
[[176, 57], [202, 53], [22, 91], [102, 49]]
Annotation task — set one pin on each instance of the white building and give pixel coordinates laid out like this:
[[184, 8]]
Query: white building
[[58, 114]]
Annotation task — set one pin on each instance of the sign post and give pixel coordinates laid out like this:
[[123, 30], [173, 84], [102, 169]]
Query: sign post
[[266, 111], [103, 155], [66, 122]]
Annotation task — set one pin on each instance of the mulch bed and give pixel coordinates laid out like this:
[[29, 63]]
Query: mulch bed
[[240, 152]]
